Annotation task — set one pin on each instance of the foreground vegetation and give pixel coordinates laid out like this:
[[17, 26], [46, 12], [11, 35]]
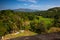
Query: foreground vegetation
[[36, 22]]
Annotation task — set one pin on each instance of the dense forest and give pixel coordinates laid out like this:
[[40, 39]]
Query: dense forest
[[39, 21]]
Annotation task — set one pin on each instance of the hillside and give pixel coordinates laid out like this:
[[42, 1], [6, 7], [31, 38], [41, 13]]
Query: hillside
[[55, 8], [39, 22]]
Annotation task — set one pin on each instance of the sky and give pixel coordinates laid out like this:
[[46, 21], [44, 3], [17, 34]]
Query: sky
[[29, 4]]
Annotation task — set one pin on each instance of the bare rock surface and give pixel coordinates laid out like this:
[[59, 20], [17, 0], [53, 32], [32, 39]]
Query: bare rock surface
[[0, 37], [49, 36]]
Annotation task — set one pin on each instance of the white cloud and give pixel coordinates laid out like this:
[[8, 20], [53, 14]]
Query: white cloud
[[42, 7], [33, 6], [21, 0], [32, 1], [25, 4], [50, 6]]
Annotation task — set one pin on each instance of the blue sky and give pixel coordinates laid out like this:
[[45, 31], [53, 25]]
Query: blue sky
[[30, 4]]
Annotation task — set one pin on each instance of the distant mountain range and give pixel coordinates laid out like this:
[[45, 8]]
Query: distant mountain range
[[33, 10], [25, 10]]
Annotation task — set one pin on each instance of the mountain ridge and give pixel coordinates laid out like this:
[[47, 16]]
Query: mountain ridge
[[25, 10]]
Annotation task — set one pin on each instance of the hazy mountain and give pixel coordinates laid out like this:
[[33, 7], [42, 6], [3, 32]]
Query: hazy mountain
[[25, 10]]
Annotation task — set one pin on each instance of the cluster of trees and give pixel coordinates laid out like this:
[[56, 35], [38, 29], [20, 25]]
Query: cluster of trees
[[39, 21]]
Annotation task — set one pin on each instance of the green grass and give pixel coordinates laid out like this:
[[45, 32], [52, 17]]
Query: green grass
[[45, 20]]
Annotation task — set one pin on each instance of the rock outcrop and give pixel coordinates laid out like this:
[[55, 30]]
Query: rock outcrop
[[49, 36]]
